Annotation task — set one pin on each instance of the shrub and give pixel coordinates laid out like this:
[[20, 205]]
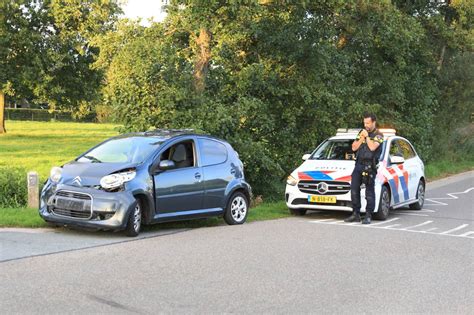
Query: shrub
[[13, 188]]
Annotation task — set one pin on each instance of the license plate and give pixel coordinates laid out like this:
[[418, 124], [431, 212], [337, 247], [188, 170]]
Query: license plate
[[322, 199], [69, 204]]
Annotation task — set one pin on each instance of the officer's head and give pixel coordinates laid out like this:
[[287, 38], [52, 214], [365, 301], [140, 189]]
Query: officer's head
[[369, 121]]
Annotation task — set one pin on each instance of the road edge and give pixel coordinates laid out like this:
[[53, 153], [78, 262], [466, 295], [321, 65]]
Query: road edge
[[449, 180]]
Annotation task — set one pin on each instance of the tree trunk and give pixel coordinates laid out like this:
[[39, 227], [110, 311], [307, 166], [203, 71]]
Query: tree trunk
[[203, 56], [2, 113]]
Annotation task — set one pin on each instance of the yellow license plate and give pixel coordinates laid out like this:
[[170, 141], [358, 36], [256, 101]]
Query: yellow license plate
[[322, 199]]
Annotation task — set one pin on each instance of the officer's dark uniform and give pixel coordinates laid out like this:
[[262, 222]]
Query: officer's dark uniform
[[364, 172]]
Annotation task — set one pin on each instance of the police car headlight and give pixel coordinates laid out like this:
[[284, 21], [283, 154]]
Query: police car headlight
[[55, 174], [116, 180], [291, 181]]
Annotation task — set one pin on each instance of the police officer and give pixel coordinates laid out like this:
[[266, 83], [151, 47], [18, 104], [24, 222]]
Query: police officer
[[367, 147]]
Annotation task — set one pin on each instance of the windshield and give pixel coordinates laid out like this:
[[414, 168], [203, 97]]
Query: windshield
[[123, 150], [335, 150]]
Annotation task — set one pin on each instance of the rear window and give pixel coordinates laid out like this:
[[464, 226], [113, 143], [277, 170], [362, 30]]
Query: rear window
[[212, 152]]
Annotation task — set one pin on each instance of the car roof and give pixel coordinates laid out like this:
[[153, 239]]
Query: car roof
[[167, 134]]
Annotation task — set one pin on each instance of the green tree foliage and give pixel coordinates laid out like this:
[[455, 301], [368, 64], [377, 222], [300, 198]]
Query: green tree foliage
[[275, 78], [45, 51]]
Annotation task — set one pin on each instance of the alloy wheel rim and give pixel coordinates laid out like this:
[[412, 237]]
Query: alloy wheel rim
[[137, 218], [238, 208], [421, 194]]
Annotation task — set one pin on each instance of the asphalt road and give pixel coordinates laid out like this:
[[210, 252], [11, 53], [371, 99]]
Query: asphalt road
[[414, 262]]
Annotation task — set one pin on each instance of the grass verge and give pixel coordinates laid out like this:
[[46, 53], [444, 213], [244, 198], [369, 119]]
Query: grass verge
[[29, 218], [443, 168]]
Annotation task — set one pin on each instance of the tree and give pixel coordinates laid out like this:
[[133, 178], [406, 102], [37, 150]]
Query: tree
[[45, 51]]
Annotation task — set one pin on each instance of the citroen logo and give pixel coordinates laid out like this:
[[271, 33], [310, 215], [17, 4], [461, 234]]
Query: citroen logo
[[77, 181], [322, 188]]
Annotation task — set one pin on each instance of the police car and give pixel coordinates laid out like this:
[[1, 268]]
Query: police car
[[323, 181]]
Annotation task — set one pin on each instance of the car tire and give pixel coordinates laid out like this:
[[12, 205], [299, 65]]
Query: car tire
[[384, 205], [237, 209], [420, 195], [298, 212], [134, 222]]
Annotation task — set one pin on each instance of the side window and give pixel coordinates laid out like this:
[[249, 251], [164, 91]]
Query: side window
[[406, 149], [182, 154], [212, 152], [395, 149]]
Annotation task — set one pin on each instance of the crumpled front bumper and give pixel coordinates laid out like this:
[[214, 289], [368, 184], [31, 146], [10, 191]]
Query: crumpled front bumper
[[109, 210]]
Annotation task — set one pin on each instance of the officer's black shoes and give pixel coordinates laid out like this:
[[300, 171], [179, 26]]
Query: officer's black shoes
[[353, 218], [367, 220]]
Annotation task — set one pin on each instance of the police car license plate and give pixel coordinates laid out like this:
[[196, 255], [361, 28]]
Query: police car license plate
[[322, 199]]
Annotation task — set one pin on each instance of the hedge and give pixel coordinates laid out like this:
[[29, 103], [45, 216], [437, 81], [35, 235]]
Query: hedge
[[45, 115]]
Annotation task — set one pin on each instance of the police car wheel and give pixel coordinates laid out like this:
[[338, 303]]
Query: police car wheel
[[298, 212], [384, 205], [420, 195]]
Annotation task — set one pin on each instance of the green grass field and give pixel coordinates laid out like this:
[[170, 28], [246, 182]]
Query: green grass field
[[38, 146]]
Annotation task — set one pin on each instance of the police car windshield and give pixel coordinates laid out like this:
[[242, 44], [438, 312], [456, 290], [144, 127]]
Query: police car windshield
[[340, 149]]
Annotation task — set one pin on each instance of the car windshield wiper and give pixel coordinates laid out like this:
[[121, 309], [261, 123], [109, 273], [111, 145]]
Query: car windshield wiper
[[92, 158]]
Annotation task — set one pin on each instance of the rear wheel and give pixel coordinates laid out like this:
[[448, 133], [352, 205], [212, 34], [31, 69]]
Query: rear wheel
[[420, 195], [134, 223], [298, 212], [237, 209], [384, 205]]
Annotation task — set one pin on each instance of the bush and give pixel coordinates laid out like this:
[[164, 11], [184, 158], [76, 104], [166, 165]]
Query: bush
[[13, 188]]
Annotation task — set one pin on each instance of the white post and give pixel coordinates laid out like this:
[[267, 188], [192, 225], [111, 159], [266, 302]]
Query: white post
[[33, 190]]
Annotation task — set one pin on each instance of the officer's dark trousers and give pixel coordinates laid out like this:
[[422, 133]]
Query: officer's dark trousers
[[355, 190]]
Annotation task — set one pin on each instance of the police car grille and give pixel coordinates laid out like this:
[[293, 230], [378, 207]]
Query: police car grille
[[334, 187]]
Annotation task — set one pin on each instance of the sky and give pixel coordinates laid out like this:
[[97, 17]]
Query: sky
[[144, 9]]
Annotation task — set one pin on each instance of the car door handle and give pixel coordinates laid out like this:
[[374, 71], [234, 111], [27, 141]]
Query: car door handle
[[197, 176]]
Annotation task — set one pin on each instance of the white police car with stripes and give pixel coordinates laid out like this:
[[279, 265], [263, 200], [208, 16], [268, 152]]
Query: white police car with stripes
[[323, 181]]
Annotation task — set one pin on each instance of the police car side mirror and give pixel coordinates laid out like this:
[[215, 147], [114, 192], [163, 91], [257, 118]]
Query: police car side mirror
[[306, 157], [396, 159]]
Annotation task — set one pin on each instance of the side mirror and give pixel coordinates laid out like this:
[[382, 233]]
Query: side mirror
[[166, 165], [396, 159], [306, 157]]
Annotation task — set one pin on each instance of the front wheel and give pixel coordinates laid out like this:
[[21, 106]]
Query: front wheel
[[384, 205], [420, 195], [134, 222], [237, 209]]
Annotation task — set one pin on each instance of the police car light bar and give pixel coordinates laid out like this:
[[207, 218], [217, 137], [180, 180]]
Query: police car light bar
[[347, 131], [387, 132]]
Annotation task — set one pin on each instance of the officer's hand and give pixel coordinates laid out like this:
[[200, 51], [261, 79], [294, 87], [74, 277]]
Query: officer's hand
[[364, 133]]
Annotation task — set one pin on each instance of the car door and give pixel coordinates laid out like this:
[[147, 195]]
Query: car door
[[396, 180], [181, 189], [411, 167], [216, 170]]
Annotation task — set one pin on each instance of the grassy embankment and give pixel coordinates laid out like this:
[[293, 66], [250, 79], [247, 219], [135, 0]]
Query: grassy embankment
[[40, 145]]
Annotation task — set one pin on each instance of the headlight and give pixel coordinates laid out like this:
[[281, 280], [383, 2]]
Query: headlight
[[291, 181], [55, 174], [116, 180]]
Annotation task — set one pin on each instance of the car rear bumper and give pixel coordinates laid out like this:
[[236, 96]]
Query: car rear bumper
[[103, 210]]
